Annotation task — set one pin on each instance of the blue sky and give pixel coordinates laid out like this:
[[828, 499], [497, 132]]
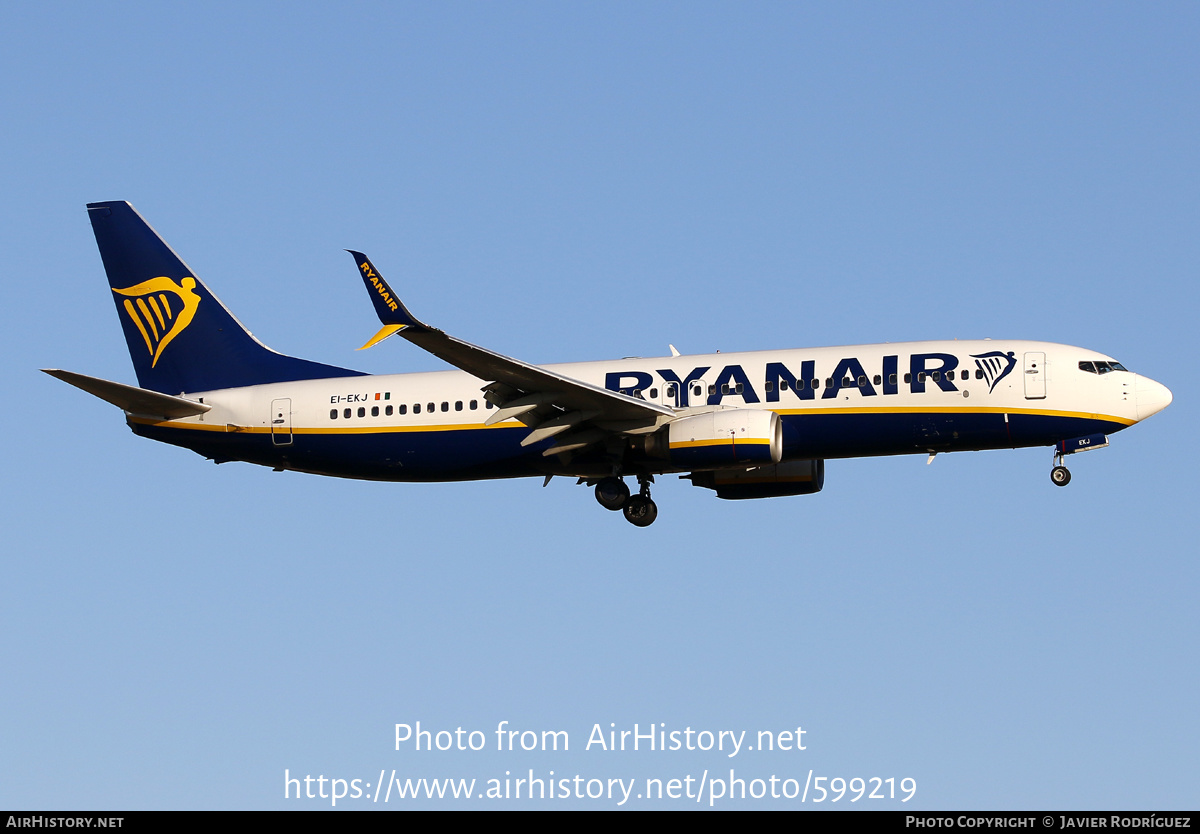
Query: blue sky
[[584, 181]]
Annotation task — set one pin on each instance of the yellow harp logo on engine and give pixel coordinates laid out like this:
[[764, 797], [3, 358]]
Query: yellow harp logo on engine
[[161, 310]]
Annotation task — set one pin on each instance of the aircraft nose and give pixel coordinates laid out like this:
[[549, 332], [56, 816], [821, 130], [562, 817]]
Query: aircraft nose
[[1150, 397]]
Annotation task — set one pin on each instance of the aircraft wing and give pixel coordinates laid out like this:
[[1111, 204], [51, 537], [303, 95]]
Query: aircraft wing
[[550, 403], [137, 401]]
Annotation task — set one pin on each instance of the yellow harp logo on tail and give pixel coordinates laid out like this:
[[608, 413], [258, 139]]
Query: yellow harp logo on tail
[[161, 309]]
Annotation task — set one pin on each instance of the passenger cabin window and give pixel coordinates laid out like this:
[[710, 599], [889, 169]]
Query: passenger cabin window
[[333, 414], [374, 411], [346, 414], [878, 379], [362, 412], [416, 408], [458, 405], [403, 409], [387, 411], [474, 405]]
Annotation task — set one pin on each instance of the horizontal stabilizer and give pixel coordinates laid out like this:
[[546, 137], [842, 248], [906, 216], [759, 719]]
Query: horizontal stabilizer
[[130, 398]]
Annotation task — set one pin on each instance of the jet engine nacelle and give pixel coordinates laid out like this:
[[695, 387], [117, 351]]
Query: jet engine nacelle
[[793, 477], [726, 437]]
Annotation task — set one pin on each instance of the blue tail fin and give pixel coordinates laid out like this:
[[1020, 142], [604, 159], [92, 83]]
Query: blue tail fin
[[180, 337]]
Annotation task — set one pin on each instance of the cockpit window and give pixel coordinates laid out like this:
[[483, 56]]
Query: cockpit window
[[1102, 367]]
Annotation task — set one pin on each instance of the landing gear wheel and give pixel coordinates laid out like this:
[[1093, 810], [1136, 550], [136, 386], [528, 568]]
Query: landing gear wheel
[[1060, 475], [612, 493], [640, 511]]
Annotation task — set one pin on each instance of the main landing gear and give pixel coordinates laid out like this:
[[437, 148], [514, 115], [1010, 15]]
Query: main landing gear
[[612, 493], [640, 510]]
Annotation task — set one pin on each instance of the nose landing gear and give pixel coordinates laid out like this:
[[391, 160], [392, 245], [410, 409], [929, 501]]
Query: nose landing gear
[[1059, 475]]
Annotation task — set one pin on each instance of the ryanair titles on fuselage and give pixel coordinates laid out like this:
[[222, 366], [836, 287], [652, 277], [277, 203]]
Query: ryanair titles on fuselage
[[802, 378], [764, 379]]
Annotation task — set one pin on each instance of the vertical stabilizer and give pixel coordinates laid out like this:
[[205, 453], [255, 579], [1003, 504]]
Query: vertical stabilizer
[[180, 336]]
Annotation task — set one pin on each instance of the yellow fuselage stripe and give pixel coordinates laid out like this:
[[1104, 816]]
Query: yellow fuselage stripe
[[224, 427], [510, 424], [917, 409]]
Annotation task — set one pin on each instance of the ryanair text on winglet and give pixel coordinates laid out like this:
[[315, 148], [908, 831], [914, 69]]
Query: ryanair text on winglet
[[365, 266]]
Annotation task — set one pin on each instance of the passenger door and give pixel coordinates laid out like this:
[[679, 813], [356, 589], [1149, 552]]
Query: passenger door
[[1035, 376], [281, 422]]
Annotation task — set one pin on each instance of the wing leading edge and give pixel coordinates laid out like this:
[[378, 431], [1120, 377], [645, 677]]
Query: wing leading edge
[[552, 405]]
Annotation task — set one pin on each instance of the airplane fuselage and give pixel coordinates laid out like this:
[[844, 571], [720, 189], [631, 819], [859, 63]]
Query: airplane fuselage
[[834, 402]]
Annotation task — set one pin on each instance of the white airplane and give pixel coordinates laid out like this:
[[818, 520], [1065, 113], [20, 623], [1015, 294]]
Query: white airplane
[[746, 425]]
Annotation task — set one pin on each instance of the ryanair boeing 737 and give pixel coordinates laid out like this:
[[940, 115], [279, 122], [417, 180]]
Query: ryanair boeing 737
[[746, 425]]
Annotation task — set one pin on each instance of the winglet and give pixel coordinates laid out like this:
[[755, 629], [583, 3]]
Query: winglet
[[384, 332], [388, 306]]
